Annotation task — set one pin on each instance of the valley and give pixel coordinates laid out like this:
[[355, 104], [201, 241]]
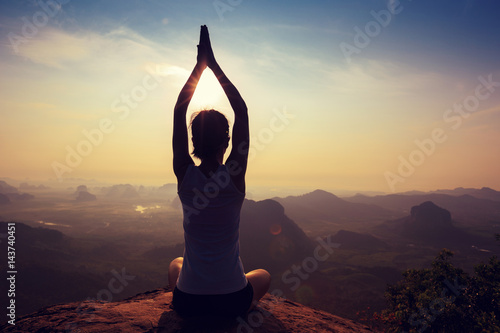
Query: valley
[[332, 253]]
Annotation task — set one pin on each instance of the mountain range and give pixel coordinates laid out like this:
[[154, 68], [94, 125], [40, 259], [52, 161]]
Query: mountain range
[[378, 237], [466, 207]]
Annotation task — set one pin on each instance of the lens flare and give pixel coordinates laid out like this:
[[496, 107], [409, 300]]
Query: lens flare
[[275, 229]]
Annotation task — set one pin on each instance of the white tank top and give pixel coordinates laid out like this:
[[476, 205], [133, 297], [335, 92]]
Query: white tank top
[[211, 208]]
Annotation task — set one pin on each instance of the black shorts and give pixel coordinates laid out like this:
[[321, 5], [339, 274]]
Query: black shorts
[[224, 305]]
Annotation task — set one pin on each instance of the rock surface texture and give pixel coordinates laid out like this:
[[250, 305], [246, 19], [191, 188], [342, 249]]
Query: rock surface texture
[[151, 312]]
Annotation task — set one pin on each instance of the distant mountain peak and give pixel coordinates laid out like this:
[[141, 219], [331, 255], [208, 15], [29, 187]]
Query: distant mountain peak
[[85, 196], [272, 205], [429, 215], [319, 192], [6, 188], [319, 196], [123, 191]]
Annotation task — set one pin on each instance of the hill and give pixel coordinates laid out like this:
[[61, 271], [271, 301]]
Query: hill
[[6, 188], [151, 312], [429, 224], [120, 191], [465, 207], [320, 212], [12, 194], [4, 199], [268, 238], [58, 268], [359, 241], [55, 268], [482, 193]]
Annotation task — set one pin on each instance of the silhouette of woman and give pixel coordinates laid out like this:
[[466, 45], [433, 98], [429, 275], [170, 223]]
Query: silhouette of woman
[[209, 279]]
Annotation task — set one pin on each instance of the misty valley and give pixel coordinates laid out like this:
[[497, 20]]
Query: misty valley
[[333, 253]]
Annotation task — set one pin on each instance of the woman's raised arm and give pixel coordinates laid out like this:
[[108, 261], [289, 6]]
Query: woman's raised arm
[[182, 158], [238, 158]]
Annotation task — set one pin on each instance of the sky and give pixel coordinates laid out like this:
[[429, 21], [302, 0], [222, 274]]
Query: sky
[[358, 95]]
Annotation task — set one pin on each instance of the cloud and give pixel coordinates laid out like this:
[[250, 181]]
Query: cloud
[[484, 120], [166, 70], [54, 48], [88, 49], [381, 78]]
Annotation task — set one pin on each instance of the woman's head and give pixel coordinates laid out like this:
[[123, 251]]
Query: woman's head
[[210, 130]]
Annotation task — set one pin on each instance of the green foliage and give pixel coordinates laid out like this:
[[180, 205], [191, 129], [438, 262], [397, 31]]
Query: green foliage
[[484, 295], [444, 298]]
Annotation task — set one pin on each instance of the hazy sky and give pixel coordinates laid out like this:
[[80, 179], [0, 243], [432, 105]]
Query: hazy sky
[[358, 95]]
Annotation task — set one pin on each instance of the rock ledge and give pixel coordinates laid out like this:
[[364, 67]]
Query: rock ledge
[[151, 312]]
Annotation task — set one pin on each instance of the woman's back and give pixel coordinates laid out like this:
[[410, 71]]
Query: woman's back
[[211, 233]]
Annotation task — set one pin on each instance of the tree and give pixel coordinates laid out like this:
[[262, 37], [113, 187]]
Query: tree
[[444, 298]]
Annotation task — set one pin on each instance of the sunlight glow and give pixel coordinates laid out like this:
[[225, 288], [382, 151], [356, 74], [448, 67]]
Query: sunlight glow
[[208, 92], [320, 116]]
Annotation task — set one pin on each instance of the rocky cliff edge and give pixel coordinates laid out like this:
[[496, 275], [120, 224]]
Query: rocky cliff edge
[[151, 312]]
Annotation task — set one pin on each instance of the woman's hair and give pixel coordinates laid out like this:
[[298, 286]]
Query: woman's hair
[[210, 130]]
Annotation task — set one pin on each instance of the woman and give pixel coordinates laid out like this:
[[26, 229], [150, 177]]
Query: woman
[[209, 279]]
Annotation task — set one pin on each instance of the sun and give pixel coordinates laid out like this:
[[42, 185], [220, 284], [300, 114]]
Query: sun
[[208, 92]]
